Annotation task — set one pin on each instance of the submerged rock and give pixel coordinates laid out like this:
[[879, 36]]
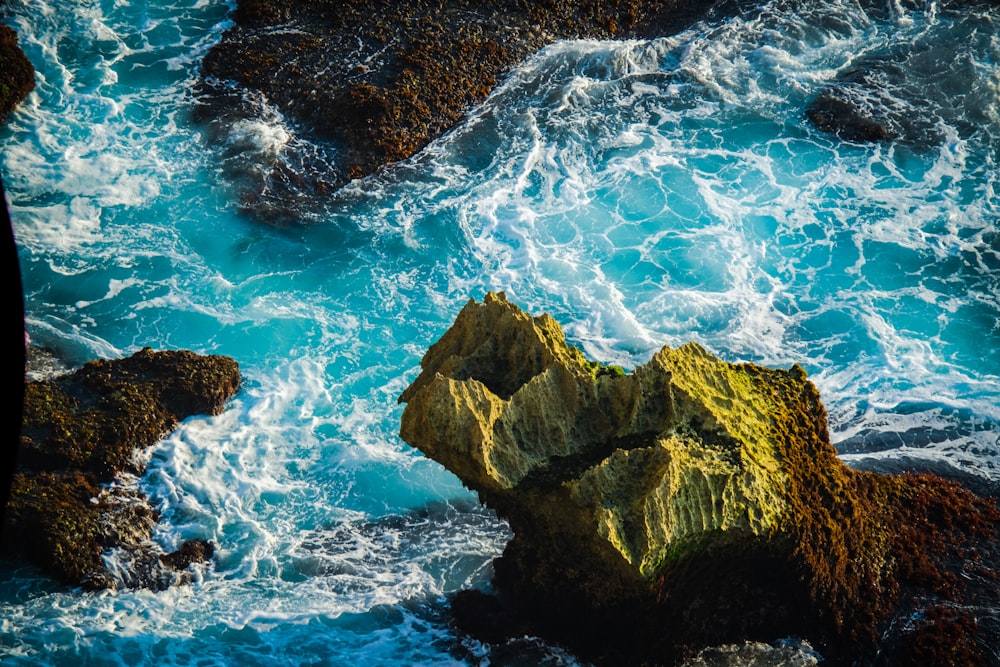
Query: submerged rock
[[841, 111], [692, 502], [919, 91], [80, 432]]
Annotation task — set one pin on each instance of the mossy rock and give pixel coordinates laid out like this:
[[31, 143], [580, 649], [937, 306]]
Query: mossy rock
[[50, 515], [79, 432], [94, 419]]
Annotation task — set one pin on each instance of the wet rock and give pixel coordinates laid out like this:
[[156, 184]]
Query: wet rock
[[191, 551], [939, 635], [71, 501], [849, 116], [17, 76], [690, 503], [375, 82], [94, 419]]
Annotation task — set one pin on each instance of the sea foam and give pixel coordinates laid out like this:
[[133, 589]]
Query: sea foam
[[642, 192]]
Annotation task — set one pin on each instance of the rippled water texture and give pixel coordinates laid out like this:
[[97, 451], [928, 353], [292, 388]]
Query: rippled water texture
[[643, 193]]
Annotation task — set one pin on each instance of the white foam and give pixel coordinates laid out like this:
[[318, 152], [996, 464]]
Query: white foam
[[643, 193]]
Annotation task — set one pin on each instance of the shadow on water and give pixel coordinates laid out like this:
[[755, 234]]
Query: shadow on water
[[918, 91], [949, 424], [925, 438], [453, 542]]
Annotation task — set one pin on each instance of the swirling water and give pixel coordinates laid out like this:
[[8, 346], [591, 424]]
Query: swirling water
[[643, 193]]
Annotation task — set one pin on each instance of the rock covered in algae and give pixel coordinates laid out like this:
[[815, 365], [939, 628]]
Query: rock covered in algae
[[79, 434], [690, 502], [17, 76]]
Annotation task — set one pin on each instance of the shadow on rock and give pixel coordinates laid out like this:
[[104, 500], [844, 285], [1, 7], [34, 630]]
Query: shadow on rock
[[690, 503]]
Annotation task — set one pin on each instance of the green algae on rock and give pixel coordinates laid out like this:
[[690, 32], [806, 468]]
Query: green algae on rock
[[688, 503], [80, 432]]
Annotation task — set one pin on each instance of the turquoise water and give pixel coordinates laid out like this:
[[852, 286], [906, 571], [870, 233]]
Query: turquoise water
[[643, 193]]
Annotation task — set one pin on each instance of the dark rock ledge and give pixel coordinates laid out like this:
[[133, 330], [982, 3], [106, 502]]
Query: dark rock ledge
[[692, 503], [379, 79], [79, 434]]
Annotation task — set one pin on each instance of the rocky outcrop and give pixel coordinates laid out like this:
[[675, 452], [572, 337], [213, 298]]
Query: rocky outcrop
[[79, 434], [17, 76], [917, 90], [379, 80], [688, 503]]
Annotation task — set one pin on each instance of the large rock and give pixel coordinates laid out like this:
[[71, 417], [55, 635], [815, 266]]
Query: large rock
[[79, 433], [376, 81], [17, 76], [690, 502]]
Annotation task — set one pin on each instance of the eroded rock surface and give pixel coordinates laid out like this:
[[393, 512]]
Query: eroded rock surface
[[691, 502], [67, 504]]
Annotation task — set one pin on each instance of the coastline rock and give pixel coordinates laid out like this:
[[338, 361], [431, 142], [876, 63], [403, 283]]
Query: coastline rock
[[79, 433], [17, 76], [872, 102], [690, 503], [377, 81]]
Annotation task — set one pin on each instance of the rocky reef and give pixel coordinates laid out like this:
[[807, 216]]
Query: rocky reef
[[876, 100], [908, 93], [17, 76], [79, 434], [379, 80], [691, 502]]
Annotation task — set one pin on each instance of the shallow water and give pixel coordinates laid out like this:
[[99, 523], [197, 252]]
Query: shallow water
[[643, 193]]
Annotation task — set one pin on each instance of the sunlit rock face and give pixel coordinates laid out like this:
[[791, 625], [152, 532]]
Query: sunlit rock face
[[688, 502], [684, 447]]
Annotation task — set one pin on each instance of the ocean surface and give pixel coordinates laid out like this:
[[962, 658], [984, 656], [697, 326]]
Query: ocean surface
[[644, 193]]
